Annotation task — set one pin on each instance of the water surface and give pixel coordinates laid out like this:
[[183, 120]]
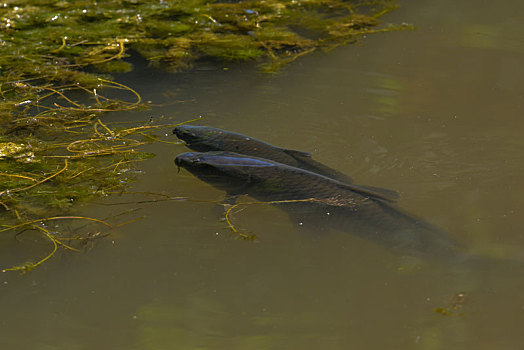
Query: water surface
[[435, 114]]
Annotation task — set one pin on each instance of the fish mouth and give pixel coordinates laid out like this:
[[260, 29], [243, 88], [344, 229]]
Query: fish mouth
[[186, 159], [177, 131], [184, 133]]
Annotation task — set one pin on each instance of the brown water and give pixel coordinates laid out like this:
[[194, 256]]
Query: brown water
[[435, 114]]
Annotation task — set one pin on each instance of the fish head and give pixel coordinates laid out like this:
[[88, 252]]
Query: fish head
[[210, 139], [223, 169], [200, 138], [187, 133], [202, 166], [187, 160]]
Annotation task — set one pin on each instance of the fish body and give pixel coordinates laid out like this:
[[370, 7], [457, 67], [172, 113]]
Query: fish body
[[323, 201], [205, 139]]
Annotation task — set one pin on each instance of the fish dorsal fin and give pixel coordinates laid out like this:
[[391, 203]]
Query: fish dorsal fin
[[375, 192], [295, 153]]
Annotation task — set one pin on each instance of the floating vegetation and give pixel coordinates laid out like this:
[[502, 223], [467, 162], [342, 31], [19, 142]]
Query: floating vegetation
[[234, 230], [50, 37], [38, 225], [55, 148], [331, 201], [455, 306], [39, 178]]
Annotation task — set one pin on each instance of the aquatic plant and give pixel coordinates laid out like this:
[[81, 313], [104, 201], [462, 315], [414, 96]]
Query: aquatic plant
[[47, 37], [55, 149]]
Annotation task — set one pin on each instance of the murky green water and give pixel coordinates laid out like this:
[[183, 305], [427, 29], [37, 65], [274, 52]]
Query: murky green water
[[435, 114]]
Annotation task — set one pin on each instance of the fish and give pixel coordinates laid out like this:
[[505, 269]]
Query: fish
[[320, 202], [206, 138]]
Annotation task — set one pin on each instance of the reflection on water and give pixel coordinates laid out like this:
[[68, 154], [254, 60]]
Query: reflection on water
[[435, 114]]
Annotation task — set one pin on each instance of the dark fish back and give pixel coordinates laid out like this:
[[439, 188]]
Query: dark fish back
[[233, 142], [283, 182]]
